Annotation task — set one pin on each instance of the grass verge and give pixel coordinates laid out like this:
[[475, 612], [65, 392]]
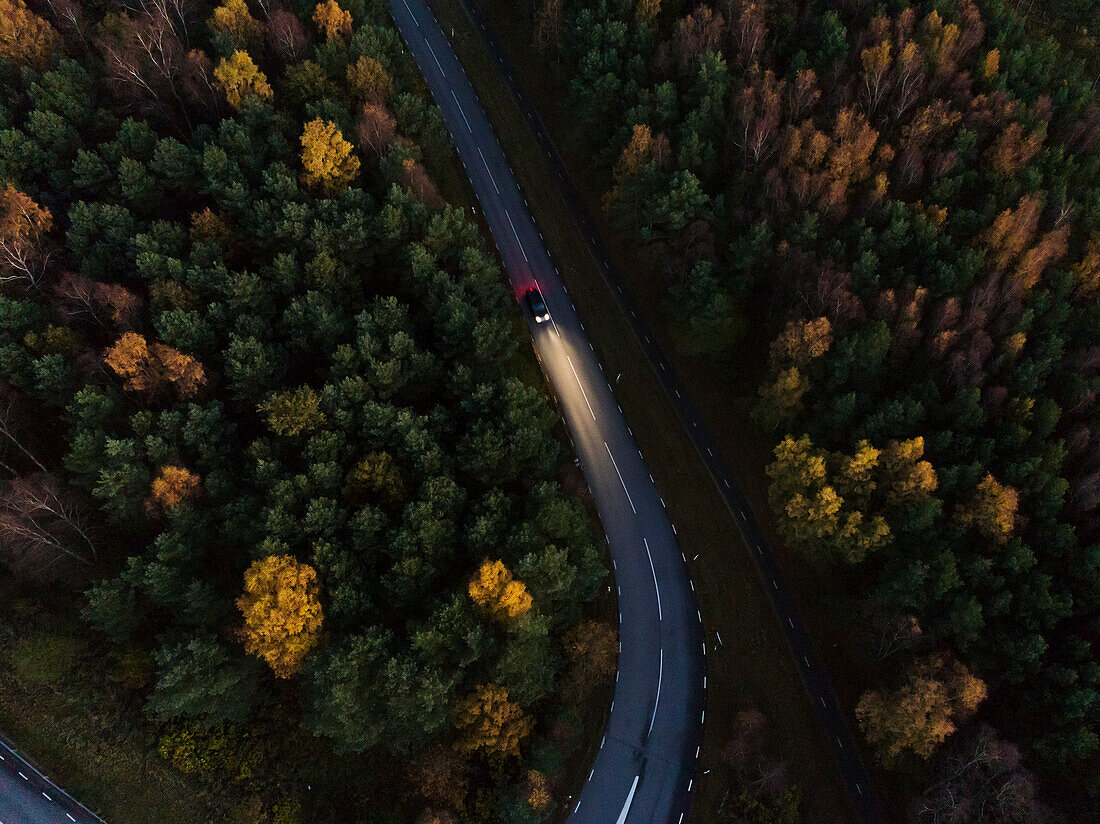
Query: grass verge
[[753, 666], [58, 710]]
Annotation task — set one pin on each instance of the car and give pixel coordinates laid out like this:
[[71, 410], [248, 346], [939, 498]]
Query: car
[[534, 301]]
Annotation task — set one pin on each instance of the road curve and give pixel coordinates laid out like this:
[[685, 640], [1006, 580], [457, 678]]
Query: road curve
[[815, 679], [644, 771], [29, 797]]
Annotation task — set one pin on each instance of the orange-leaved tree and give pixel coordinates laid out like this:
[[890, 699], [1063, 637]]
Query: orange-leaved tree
[[241, 79], [23, 228], [498, 593], [917, 717], [488, 722], [282, 612], [149, 368], [334, 21], [25, 38], [173, 486], [326, 157]]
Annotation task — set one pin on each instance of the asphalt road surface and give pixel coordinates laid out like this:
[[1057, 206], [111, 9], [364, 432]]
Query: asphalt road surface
[[28, 797], [816, 681], [645, 767]]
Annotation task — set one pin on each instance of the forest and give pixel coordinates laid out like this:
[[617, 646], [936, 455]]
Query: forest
[[268, 422], [906, 197]]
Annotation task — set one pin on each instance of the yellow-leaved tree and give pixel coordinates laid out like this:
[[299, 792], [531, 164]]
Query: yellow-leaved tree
[[369, 80], [488, 722], [326, 157], [991, 510], [241, 79], [498, 593], [334, 21], [282, 612], [233, 18]]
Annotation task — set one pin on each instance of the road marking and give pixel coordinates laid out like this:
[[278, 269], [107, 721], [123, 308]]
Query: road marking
[[514, 232], [578, 377], [703, 719], [822, 699], [657, 700], [774, 584], [789, 621], [620, 474], [839, 745], [690, 784], [807, 661], [468, 127], [629, 799], [654, 571], [23, 776], [46, 797], [591, 773], [724, 480], [858, 790], [410, 11], [69, 817], [436, 59], [490, 171]]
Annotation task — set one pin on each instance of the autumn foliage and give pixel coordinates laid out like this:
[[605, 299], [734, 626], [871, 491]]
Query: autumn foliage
[[25, 38], [151, 368], [23, 228], [241, 79], [495, 590], [234, 18], [173, 486], [327, 158], [332, 20], [917, 718], [282, 612], [488, 722], [369, 81]]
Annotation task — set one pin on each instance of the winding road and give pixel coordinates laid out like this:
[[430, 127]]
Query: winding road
[[29, 797], [449, 85], [644, 771]]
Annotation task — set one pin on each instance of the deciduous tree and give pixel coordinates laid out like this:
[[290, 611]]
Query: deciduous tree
[[23, 229], [25, 38], [495, 590], [293, 412], [239, 78], [149, 368], [173, 486], [326, 157], [488, 722], [333, 21], [282, 612], [369, 81]]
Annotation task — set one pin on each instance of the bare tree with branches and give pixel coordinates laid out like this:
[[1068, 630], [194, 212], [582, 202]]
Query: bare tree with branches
[[41, 524]]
